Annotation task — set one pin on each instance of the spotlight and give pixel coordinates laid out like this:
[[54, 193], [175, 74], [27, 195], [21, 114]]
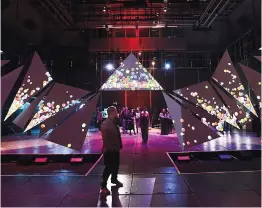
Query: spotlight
[[109, 67], [1, 51], [167, 66], [104, 9], [153, 63], [139, 53], [165, 9]]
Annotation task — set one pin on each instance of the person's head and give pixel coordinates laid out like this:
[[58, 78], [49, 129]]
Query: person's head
[[112, 112]]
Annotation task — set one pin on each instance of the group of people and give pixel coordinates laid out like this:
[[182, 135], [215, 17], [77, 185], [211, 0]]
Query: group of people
[[133, 119]]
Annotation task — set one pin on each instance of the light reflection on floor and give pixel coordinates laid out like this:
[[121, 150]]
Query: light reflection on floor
[[93, 143]]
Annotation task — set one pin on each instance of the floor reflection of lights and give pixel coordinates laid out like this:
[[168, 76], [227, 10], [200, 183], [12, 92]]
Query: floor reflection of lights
[[119, 196], [164, 143]]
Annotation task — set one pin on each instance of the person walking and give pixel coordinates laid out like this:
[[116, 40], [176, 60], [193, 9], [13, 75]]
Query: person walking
[[112, 144], [144, 122]]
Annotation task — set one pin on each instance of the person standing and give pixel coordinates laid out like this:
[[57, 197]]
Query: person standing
[[99, 119], [112, 144], [131, 121], [163, 122], [137, 119], [144, 122]]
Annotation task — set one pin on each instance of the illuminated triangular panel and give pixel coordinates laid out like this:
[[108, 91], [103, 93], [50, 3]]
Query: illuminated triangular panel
[[131, 75], [23, 118], [4, 62], [59, 98], [226, 76], [57, 119], [72, 132], [7, 84], [190, 130], [203, 95], [240, 115], [35, 79], [254, 80], [206, 118]]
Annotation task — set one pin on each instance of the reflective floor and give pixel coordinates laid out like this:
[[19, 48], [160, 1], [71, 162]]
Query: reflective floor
[[93, 144], [149, 176]]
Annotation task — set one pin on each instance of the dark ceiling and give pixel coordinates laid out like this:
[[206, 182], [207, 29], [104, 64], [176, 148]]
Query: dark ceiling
[[51, 20]]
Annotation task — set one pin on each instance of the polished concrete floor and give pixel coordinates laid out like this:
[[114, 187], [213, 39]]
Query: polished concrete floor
[[149, 176]]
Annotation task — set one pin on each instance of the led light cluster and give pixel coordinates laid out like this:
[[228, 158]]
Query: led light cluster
[[239, 114], [204, 96], [226, 76], [206, 118], [254, 80], [72, 132], [131, 75], [49, 109], [190, 130], [26, 91]]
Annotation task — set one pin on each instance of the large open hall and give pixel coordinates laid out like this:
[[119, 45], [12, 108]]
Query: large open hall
[[131, 103]]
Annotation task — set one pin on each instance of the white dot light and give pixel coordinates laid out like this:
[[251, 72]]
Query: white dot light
[[195, 141], [209, 137], [83, 125], [193, 128], [184, 144], [229, 64], [258, 97], [69, 145], [71, 96]]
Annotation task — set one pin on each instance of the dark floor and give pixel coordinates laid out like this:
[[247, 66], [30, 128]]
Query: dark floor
[[149, 177]]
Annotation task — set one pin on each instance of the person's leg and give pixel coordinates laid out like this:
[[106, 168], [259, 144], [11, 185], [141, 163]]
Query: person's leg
[[108, 168], [146, 135], [115, 169], [143, 135], [105, 176]]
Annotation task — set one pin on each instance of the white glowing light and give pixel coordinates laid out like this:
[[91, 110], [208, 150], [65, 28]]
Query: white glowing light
[[206, 87], [195, 141], [109, 67], [193, 128], [258, 97], [183, 130], [209, 137], [28, 80], [184, 144], [182, 134], [83, 129], [229, 64], [71, 96], [83, 125], [37, 88], [69, 145]]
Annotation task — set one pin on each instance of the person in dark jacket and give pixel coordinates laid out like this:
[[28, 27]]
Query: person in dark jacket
[[144, 122], [112, 144], [131, 122]]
